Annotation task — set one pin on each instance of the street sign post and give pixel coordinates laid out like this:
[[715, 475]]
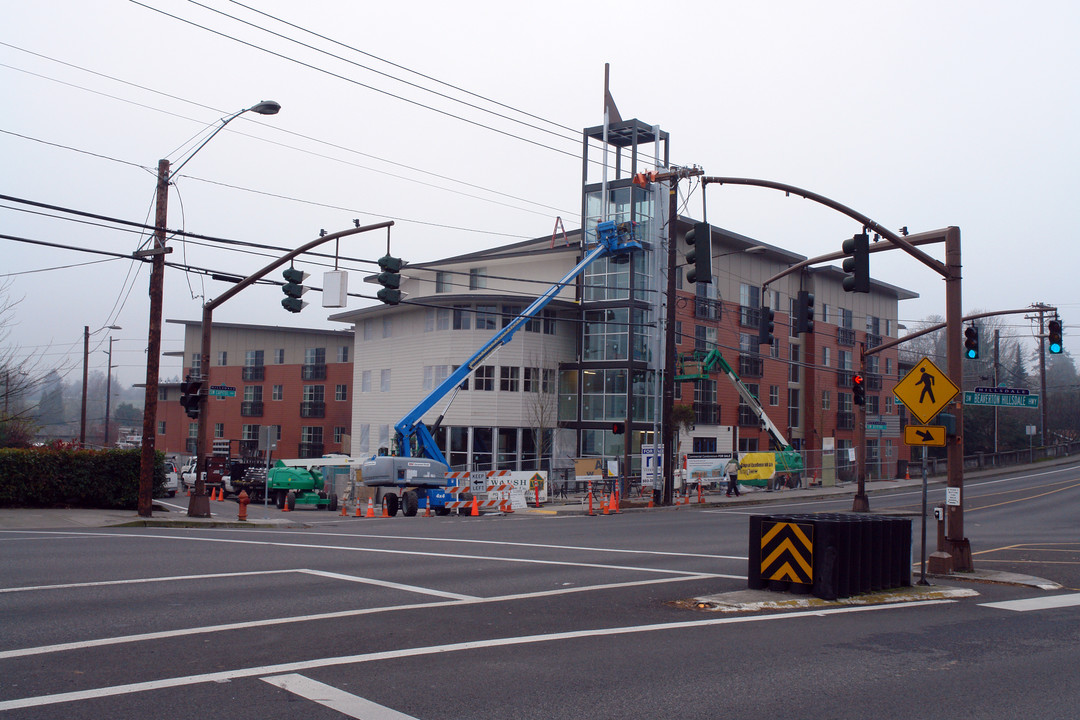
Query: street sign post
[[924, 435], [1027, 400], [926, 390]]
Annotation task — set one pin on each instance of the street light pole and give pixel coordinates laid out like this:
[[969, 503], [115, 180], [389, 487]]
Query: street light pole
[[157, 282], [108, 394], [85, 375]]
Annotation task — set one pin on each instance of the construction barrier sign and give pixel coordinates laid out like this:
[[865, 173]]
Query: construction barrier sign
[[787, 552], [757, 466]]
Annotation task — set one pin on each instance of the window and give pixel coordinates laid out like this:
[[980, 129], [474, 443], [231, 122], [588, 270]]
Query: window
[[549, 322], [365, 381], [888, 405], [163, 394], [384, 380], [678, 332], [222, 358], [774, 395], [825, 356], [793, 374], [844, 360], [603, 394], [442, 281], [277, 392], [253, 358], [343, 354], [872, 404], [531, 380], [462, 317], [315, 356], [888, 366], [193, 429], [339, 433], [161, 427], [793, 407], [484, 378], [250, 432], [442, 318], [387, 327], [365, 438], [508, 378], [606, 334], [826, 400], [434, 375], [824, 313], [367, 330], [279, 356], [509, 312], [847, 318], [253, 393], [219, 430], [196, 363], [548, 380], [477, 278], [429, 320], [485, 317], [341, 393]]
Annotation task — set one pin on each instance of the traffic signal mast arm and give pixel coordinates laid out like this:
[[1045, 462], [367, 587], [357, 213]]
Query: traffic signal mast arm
[[715, 359], [612, 239]]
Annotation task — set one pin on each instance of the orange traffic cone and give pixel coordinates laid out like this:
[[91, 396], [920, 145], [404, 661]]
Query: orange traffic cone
[[285, 507], [475, 511], [370, 507], [384, 513], [604, 505], [344, 509], [358, 514], [427, 508]]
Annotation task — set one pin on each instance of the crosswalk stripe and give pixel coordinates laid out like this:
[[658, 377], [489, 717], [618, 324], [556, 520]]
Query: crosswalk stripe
[[1045, 602]]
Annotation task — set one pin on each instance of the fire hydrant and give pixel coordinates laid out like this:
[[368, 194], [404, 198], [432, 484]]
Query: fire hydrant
[[243, 501]]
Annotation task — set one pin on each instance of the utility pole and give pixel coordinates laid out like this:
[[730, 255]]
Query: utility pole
[[997, 338], [85, 376], [153, 347], [1042, 375]]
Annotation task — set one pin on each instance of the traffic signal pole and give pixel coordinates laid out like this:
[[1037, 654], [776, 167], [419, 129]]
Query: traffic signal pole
[[199, 505]]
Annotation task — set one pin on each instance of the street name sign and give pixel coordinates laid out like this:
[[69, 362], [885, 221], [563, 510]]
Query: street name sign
[[222, 391], [998, 400], [876, 426], [924, 435], [926, 390], [1003, 390]]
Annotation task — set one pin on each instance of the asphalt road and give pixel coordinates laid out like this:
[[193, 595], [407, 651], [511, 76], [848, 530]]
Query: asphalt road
[[530, 616]]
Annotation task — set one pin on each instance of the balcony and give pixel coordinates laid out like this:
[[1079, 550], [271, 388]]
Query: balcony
[[707, 309], [749, 316], [706, 413], [251, 408], [873, 381], [249, 448], [845, 336], [254, 372], [844, 378], [312, 409], [845, 421], [751, 365], [872, 341], [310, 450], [313, 372]]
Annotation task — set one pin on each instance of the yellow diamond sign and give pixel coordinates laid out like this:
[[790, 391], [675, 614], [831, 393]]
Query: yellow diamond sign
[[925, 390]]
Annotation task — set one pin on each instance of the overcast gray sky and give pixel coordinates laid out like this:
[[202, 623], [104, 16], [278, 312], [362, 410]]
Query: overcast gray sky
[[918, 114]]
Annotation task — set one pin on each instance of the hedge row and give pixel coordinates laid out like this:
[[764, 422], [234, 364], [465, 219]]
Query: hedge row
[[51, 477]]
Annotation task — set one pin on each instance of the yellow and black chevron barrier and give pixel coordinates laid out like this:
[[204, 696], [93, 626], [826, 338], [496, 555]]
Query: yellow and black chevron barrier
[[829, 554], [787, 552]]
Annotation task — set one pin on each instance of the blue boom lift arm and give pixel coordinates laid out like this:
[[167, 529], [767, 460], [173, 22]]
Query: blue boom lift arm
[[612, 240]]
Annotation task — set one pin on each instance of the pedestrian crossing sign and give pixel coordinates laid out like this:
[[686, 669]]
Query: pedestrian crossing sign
[[926, 390]]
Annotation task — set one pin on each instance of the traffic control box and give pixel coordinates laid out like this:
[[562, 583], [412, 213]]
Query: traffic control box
[[830, 555]]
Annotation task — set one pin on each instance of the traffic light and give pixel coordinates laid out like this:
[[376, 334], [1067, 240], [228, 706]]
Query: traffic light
[[766, 325], [189, 397], [858, 389], [390, 279], [618, 428], [699, 257], [1054, 336], [804, 312], [293, 289], [971, 342], [857, 264]]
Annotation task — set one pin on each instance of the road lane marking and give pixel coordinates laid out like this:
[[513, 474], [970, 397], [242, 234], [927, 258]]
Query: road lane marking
[[385, 551], [305, 665], [388, 584], [247, 624], [135, 581], [329, 696], [1046, 602]]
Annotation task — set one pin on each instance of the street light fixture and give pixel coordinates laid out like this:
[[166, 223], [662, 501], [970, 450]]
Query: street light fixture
[[157, 278]]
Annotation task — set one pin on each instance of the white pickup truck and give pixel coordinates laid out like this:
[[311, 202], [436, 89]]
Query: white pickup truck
[[187, 476]]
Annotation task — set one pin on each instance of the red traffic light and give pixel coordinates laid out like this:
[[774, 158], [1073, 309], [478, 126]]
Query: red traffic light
[[857, 380]]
